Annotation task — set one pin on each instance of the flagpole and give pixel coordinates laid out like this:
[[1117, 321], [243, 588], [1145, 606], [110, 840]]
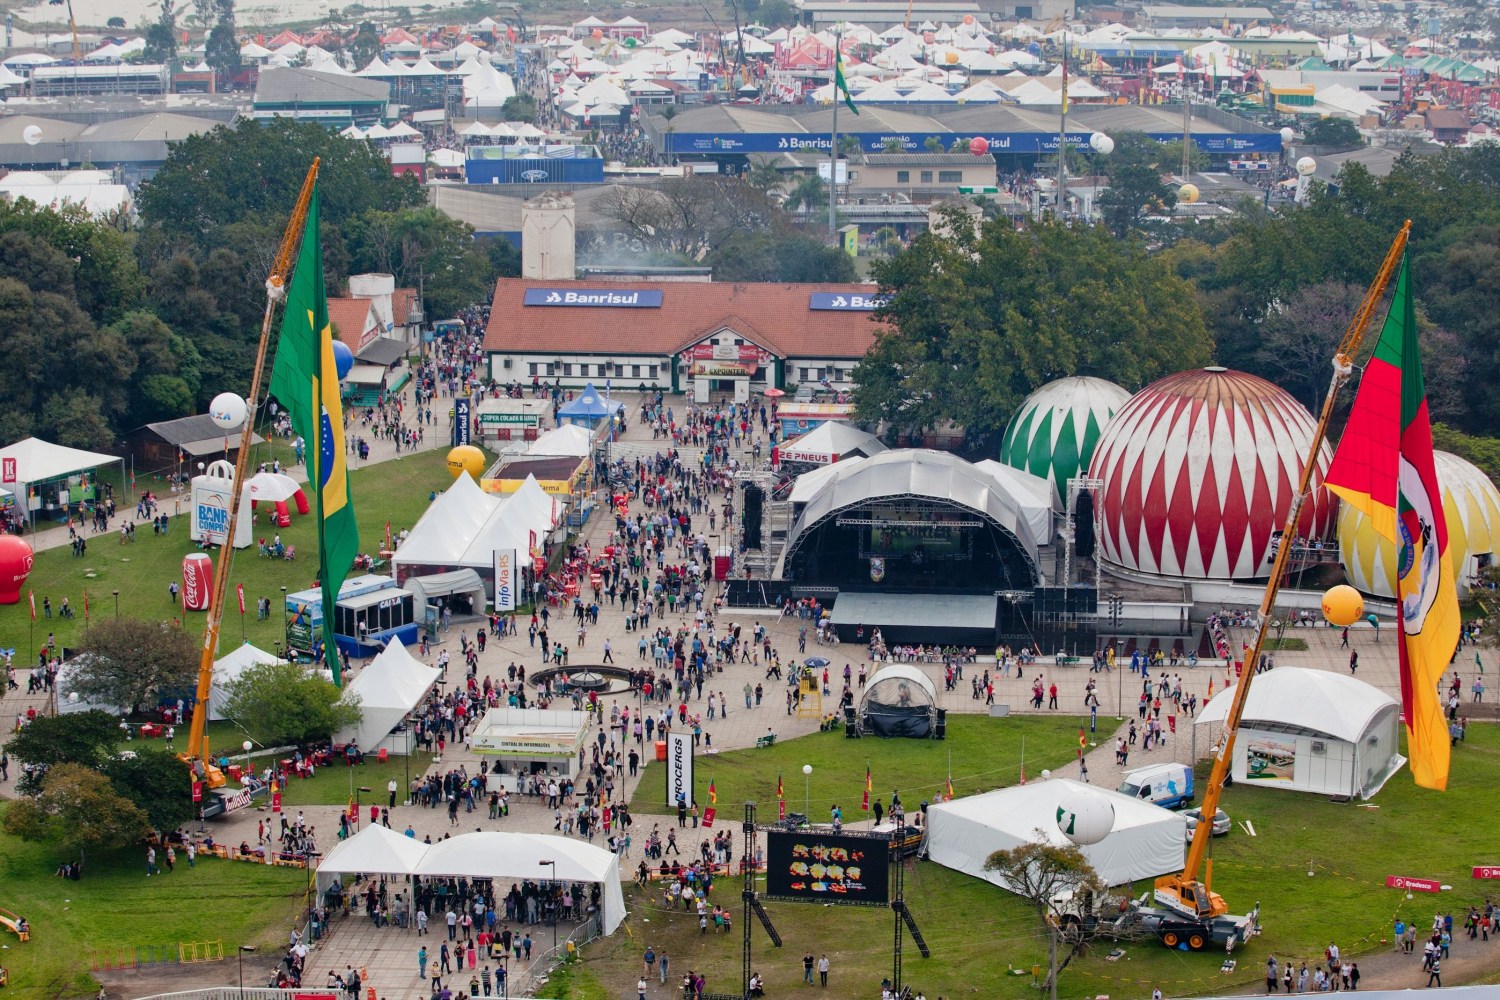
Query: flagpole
[[275, 292], [1062, 130], [833, 145]]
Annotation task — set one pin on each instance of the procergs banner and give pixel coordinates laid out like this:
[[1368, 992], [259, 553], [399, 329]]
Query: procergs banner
[[680, 769]]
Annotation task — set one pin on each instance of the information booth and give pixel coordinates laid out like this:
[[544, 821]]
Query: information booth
[[531, 741]]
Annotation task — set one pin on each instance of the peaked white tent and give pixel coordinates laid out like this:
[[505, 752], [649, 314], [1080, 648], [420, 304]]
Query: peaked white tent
[[1146, 840], [387, 690], [570, 440], [831, 442], [441, 536], [227, 670], [375, 850]]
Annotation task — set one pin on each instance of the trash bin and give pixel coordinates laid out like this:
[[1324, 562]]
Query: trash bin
[[661, 750]]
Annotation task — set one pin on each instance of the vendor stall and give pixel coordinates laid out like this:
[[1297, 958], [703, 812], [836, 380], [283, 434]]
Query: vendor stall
[[531, 741]]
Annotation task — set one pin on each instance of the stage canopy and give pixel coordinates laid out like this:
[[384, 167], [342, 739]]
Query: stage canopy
[[899, 701], [912, 520], [1146, 841], [487, 854], [388, 689]]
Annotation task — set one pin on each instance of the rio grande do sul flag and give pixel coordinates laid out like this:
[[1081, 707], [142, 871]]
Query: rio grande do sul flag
[[1384, 467]]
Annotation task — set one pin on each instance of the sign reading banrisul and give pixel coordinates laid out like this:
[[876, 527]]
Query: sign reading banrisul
[[845, 301], [610, 298]]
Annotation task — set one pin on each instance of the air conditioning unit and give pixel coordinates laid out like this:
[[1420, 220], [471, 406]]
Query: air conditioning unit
[[1319, 747]]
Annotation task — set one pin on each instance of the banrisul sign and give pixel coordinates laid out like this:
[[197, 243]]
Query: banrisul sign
[[609, 298], [845, 301]]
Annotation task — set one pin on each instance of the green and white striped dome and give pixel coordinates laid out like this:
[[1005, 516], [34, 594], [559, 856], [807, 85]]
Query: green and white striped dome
[[1054, 432]]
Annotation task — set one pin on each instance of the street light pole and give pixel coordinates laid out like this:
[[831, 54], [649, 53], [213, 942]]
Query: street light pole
[[240, 961], [361, 788], [807, 791], [117, 605], [554, 908]]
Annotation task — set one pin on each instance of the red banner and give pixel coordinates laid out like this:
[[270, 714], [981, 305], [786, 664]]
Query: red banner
[[276, 802], [1413, 884], [239, 589], [708, 818], [197, 791], [1487, 871], [781, 808]]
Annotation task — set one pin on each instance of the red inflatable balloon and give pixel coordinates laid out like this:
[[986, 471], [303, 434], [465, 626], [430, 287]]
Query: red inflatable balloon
[[197, 581], [979, 145], [15, 566]]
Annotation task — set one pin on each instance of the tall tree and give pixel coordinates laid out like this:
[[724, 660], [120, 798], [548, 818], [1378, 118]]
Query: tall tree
[[980, 317], [1044, 875], [127, 661], [285, 703], [422, 246], [1135, 170], [85, 738], [78, 808], [779, 256], [158, 781], [161, 35], [364, 48]]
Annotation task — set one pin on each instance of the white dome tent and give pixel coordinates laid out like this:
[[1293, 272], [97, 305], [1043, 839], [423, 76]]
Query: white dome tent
[[899, 701], [1313, 731]]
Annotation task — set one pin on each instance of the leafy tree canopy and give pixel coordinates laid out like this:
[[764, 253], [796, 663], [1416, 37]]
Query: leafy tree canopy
[[285, 703], [127, 662], [78, 808], [782, 257], [85, 738], [157, 781], [982, 317]]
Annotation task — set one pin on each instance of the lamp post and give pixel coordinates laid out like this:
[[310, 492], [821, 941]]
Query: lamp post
[[807, 791], [246, 746], [240, 961], [284, 620], [117, 605], [357, 791], [544, 864]]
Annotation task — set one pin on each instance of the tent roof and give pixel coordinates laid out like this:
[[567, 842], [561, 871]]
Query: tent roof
[[227, 670], [1318, 700], [272, 487], [829, 442], [375, 850], [903, 672], [442, 534], [492, 853], [392, 685], [37, 460], [570, 440], [589, 403]]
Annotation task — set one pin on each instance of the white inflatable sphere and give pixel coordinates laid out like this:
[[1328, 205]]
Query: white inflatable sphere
[[228, 411], [1085, 818], [1306, 165]]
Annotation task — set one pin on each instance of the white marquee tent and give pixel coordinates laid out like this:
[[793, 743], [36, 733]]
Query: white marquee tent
[[1146, 840], [1313, 731], [37, 461], [831, 442], [227, 670], [487, 854], [388, 689], [570, 440]]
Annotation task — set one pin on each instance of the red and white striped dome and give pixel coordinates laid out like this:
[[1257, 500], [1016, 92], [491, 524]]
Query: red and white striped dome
[[1199, 469]]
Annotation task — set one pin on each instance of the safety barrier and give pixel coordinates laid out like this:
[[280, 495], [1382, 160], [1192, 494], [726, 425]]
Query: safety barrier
[[114, 957]]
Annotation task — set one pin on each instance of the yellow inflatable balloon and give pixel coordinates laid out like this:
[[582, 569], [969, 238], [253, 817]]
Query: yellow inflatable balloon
[[1343, 605], [466, 458], [1187, 194]]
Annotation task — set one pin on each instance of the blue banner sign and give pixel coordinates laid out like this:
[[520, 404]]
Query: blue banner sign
[[609, 298], [460, 422], [916, 142], [845, 301]]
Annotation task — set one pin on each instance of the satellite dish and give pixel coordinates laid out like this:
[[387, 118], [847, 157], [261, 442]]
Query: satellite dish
[[32, 134]]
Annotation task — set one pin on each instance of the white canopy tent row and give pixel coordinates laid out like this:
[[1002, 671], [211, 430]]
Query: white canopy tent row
[[376, 850], [33, 461]]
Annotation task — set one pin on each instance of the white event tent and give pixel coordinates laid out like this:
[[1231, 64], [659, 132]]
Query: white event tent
[[227, 670], [488, 854], [1146, 840], [831, 442], [37, 461], [387, 690]]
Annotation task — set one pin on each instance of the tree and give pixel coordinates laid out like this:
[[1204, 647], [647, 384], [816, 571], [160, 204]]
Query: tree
[[75, 418], [157, 781], [782, 257], [504, 257], [161, 35], [365, 47], [1338, 133], [1043, 874], [776, 13], [127, 661], [688, 216], [1482, 451], [281, 703], [115, 24], [520, 108], [79, 809], [1135, 170], [763, 176], [85, 738], [423, 246], [979, 317], [222, 50], [808, 194]]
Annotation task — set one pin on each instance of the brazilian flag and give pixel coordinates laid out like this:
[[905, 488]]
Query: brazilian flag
[[305, 381], [840, 85]]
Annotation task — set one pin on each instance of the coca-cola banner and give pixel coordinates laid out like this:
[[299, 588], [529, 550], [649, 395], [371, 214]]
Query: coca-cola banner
[[197, 580]]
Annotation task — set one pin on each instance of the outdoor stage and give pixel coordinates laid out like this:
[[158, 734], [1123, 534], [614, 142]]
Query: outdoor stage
[[944, 619]]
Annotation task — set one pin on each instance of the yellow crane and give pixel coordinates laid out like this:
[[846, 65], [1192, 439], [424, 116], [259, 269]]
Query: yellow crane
[[198, 756], [1185, 894]]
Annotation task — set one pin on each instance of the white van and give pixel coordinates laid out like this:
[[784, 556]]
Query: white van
[[1167, 785]]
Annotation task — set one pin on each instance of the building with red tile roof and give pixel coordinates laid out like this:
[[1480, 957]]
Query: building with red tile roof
[[707, 336]]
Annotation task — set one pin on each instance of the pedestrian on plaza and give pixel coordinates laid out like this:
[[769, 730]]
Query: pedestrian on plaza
[[823, 970]]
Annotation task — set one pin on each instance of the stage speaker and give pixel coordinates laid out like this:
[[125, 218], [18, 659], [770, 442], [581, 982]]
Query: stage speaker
[[940, 731], [851, 722], [1083, 525], [754, 503]]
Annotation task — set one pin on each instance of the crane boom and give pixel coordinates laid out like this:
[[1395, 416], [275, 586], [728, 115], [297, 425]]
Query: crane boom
[[1184, 892], [197, 749]]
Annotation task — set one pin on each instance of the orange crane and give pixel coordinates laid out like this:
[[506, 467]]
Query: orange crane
[[1194, 906], [198, 756]]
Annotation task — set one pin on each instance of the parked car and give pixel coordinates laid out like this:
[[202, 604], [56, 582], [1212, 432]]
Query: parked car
[[1195, 816]]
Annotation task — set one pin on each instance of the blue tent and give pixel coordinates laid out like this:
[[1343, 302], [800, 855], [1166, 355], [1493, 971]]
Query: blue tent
[[588, 408]]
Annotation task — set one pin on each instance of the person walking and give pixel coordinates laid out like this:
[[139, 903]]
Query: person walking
[[823, 970], [1353, 660], [1435, 973], [807, 968], [422, 962]]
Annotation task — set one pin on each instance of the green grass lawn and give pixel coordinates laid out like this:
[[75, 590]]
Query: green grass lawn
[[116, 907], [394, 492], [978, 932], [980, 753]]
